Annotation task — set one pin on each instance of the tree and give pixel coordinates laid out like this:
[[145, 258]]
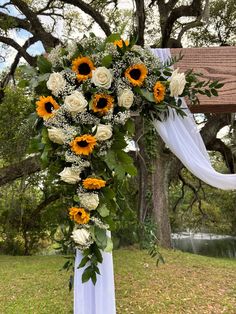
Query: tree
[[175, 19]]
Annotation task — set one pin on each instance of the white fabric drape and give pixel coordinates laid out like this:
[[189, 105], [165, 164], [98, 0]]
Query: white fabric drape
[[184, 140], [98, 299]]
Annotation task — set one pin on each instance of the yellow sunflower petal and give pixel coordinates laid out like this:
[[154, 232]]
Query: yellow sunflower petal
[[83, 145], [93, 183], [46, 106], [120, 43], [83, 66], [79, 215], [159, 92], [136, 74], [102, 103]]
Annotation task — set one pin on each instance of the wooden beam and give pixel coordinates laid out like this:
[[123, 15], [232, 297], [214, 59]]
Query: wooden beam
[[213, 109], [216, 63]]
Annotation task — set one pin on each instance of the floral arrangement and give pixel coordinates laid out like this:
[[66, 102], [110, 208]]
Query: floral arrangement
[[86, 93]]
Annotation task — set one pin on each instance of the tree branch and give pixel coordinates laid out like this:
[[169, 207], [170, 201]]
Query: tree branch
[[95, 14], [23, 168], [14, 65], [10, 42], [50, 199], [219, 146], [36, 26], [141, 17]]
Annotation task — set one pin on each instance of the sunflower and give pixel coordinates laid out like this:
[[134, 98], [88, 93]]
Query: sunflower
[[79, 215], [93, 183], [83, 145], [121, 42], [45, 106], [136, 74], [159, 91], [102, 103], [83, 66]]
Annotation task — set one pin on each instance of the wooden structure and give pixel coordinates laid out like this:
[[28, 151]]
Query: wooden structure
[[217, 63]]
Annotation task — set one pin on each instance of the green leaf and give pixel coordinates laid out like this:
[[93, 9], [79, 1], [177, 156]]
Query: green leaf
[[220, 85], [94, 278], [100, 237], [147, 95], [103, 211], [98, 254], [112, 38], [35, 145], [71, 282], [208, 93], [107, 61], [44, 65], [130, 127], [83, 262], [214, 92], [87, 274], [109, 246], [108, 193], [23, 83], [76, 198]]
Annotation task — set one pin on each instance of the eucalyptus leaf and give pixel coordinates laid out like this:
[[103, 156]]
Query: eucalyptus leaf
[[107, 61], [44, 65], [103, 211]]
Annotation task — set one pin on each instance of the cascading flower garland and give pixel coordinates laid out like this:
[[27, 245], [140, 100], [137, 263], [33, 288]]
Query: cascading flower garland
[[88, 91]]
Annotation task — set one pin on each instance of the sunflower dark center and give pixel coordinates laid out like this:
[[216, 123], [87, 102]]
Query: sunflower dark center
[[49, 107], [79, 214], [135, 74], [82, 143], [102, 103], [84, 69]]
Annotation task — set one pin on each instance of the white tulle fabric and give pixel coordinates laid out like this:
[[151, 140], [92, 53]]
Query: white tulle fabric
[[98, 299], [182, 136]]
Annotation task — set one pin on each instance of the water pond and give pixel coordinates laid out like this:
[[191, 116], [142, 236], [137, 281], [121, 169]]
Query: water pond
[[205, 244]]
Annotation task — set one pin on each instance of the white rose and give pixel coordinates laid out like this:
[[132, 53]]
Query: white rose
[[89, 200], [75, 102], [56, 83], [126, 98], [102, 77], [56, 135], [70, 174], [104, 132], [81, 236], [177, 83]]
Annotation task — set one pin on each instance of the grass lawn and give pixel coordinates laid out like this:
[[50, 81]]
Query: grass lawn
[[185, 284]]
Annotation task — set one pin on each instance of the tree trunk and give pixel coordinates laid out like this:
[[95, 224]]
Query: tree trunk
[[160, 198]]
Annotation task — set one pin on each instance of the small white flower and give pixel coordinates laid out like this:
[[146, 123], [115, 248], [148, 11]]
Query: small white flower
[[177, 83], [102, 77], [104, 132], [56, 83], [89, 200], [75, 103], [71, 174], [57, 135], [81, 236], [126, 98]]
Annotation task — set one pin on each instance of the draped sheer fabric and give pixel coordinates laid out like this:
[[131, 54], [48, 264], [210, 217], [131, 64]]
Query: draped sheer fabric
[[182, 136], [184, 140], [98, 299]]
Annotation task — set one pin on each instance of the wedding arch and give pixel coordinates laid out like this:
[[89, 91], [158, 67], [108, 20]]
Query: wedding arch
[[100, 298], [85, 93]]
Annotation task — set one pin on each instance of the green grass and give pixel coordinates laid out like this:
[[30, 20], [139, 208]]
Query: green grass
[[184, 284]]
